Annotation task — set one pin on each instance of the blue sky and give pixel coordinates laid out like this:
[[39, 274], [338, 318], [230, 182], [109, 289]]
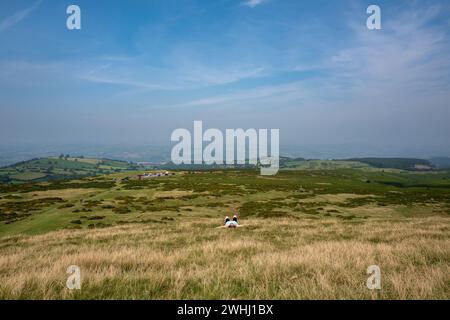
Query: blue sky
[[140, 69]]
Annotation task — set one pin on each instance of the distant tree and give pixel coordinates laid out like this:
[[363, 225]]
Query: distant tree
[[61, 156]]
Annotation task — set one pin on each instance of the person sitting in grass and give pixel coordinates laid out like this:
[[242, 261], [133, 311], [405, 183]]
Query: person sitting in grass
[[228, 223], [231, 223]]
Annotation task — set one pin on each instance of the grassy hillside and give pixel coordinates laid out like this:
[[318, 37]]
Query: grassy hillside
[[396, 163], [367, 164], [302, 164], [307, 234], [55, 168]]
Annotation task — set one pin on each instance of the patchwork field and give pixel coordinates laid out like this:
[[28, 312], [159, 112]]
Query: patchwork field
[[307, 234], [63, 167]]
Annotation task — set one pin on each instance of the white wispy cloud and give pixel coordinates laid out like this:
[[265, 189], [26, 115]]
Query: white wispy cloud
[[145, 86], [18, 16], [253, 3], [409, 56], [136, 74], [256, 93], [406, 60]]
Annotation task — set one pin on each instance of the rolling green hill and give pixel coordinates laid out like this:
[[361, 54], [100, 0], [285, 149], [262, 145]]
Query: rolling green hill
[[64, 167], [60, 168], [371, 164], [303, 164], [396, 163]]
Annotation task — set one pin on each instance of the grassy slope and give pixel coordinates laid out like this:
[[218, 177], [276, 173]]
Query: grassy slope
[[286, 259], [396, 163], [308, 234]]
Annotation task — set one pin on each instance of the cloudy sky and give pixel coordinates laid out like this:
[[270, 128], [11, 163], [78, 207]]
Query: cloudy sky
[[137, 70]]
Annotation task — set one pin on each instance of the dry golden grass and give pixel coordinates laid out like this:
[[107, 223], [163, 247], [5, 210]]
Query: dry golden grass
[[269, 259]]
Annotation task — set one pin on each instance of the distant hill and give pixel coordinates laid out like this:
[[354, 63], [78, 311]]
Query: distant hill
[[284, 162], [441, 162], [303, 164], [314, 164], [63, 167], [59, 168], [396, 163], [410, 164]]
